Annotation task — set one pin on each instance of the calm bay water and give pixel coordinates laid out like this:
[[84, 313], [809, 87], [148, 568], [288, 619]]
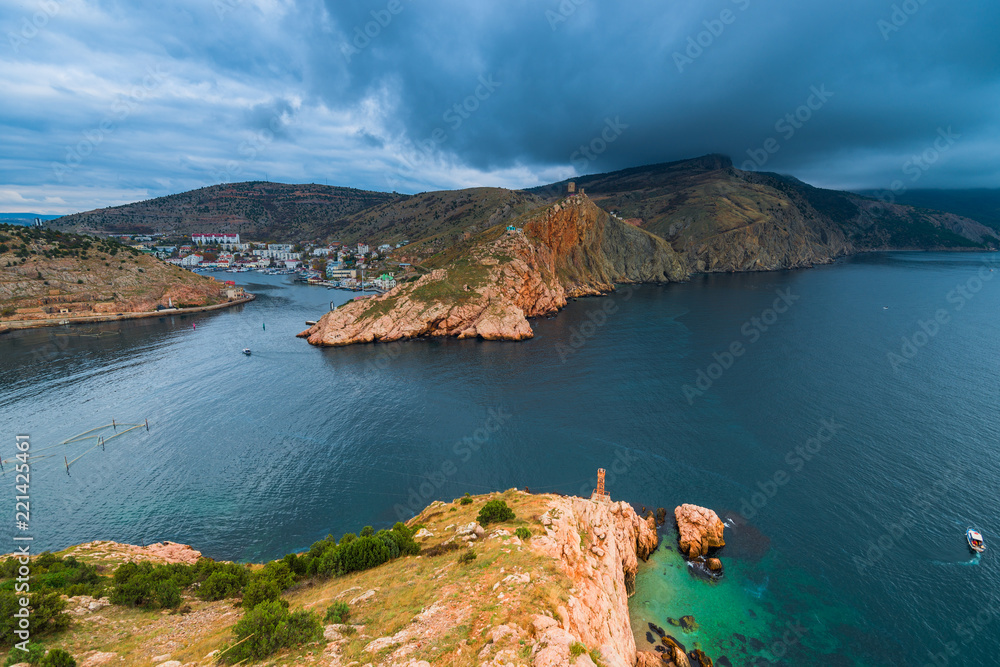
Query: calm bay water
[[857, 539]]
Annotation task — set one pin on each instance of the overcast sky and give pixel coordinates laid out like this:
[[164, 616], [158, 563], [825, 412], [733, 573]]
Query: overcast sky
[[107, 102]]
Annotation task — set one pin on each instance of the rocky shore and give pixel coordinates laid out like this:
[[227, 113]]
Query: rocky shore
[[14, 325]]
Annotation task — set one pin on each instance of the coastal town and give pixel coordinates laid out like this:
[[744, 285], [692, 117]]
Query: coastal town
[[333, 265]]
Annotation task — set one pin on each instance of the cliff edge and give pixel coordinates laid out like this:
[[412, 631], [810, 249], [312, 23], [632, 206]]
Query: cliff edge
[[548, 587]]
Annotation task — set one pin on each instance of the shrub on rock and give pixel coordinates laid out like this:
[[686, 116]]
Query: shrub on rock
[[268, 628], [58, 657], [495, 511], [338, 612], [260, 590]]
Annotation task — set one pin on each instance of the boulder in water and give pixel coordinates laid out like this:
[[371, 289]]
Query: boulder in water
[[672, 642], [700, 530], [699, 659]]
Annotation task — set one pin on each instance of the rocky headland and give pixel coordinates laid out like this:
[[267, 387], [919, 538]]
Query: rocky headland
[[490, 285], [49, 278], [670, 221]]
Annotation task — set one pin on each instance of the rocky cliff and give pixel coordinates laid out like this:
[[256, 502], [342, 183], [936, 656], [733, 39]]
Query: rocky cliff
[[598, 545], [548, 588], [720, 218], [488, 286]]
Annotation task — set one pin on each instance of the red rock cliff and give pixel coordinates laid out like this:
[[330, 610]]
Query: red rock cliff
[[491, 285]]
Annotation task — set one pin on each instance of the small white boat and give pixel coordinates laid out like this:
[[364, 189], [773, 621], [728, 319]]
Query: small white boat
[[975, 539], [246, 351]]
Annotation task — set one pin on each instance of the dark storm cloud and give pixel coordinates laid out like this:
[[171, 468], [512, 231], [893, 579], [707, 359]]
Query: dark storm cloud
[[406, 95], [687, 79]]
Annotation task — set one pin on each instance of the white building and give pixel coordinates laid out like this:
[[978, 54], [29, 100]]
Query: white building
[[211, 239], [280, 255], [363, 249], [385, 281], [191, 260]]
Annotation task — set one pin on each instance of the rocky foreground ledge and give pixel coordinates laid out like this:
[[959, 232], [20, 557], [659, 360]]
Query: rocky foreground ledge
[[554, 594]]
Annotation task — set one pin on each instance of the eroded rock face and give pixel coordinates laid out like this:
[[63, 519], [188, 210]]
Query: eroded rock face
[[492, 287], [598, 544], [160, 552], [700, 530]]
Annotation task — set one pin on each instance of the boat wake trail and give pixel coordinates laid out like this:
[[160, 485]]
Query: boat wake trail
[[964, 563]]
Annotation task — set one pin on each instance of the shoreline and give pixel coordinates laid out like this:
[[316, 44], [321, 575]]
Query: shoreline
[[18, 325]]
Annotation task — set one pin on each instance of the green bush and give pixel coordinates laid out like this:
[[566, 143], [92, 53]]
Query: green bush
[[298, 566], [52, 573], [495, 511], [467, 556], [338, 612], [385, 538], [280, 573], [33, 657], [577, 649], [364, 553], [367, 531], [221, 584], [326, 558], [268, 628], [260, 590], [465, 500], [331, 562], [149, 587], [58, 657], [522, 533], [403, 537], [47, 613]]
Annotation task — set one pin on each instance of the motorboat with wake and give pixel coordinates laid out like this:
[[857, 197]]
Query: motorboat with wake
[[975, 539]]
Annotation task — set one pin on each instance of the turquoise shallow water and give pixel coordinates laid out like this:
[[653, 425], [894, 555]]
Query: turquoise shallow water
[[861, 542], [762, 611]]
